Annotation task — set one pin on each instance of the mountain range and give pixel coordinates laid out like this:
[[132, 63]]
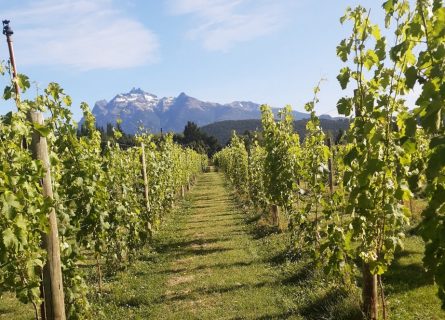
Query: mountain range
[[139, 108]]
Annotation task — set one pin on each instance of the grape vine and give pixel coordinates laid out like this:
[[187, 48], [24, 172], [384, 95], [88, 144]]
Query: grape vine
[[98, 196]]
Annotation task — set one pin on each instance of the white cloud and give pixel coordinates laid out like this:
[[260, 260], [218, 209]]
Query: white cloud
[[82, 34], [224, 23]]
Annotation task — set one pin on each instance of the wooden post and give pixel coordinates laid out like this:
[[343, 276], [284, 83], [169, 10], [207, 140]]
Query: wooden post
[[51, 288], [99, 272], [144, 174], [54, 305], [182, 191], [370, 293], [7, 31], [330, 167], [275, 212]]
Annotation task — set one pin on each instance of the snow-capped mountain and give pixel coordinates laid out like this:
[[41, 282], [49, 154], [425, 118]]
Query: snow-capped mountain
[[139, 108]]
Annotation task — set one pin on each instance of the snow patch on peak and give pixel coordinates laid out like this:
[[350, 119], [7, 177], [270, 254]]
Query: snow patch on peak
[[244, 105], [138, 92], [150, 97], [165, 103]]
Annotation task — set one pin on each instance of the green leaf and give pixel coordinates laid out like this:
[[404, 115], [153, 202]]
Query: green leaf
[[43, 130], [410, 126], [67, 100], [343, 77], [398, 51], [364, 202], [415, 29], [7, 93], [409, 146], [371, 59], [350, 156], [11, 200], [21, 222], [9, 239], [23, 82], [344, 106], [411, 77], [376, 32], [437, 141], [344, 49], [380, 48], [436, 162], [439, 24], [431, 120], [388, 6]]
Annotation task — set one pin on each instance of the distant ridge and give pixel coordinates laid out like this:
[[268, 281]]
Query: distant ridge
[[222, 130], [140, 108]]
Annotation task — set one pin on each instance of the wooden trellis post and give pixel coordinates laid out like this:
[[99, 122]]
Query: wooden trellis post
[[53, 307], [54, 304]]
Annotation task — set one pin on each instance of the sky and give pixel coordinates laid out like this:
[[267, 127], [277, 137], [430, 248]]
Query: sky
[[265, 51]]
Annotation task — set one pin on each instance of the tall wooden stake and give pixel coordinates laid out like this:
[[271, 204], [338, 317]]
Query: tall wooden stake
[[53, 307], [370, 293], [54, 304], [144, 174], [330, 167], [275, 212]]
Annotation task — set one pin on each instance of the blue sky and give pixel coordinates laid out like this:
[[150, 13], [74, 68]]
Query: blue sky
[[266, 51]]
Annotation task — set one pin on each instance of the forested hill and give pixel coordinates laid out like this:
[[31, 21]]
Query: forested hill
[[222, 130]]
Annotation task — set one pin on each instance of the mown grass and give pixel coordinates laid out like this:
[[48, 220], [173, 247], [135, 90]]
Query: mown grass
[[212, 260], [11, 308]]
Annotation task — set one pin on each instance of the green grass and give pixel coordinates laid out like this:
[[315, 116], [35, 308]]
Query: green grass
[[11, 308], [410, 290], [213, 263], [212, 260]]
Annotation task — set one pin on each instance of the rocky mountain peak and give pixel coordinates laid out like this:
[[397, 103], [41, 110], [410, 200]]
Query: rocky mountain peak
[[137, 91], [171, 114]]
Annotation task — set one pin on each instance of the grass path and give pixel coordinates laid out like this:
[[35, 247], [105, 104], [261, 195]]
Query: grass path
[[208, 266], [211, 260], [215, 271]]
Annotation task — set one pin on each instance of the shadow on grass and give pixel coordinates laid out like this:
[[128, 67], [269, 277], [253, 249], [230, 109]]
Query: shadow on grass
[[303, 274], [208, 266], [216, 215], [148, 258], [233, 218], [283, 315], [133, 302], [214, 226], [190, 252], [402, 277], [254, 218], [279, 258], [260, 231], [332, 305], [204, 251], [212, 204], [215, 223], [198, 293], [169, 246]]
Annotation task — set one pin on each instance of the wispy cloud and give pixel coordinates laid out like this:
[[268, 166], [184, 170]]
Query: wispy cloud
[[221, 24], [81, 34]]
